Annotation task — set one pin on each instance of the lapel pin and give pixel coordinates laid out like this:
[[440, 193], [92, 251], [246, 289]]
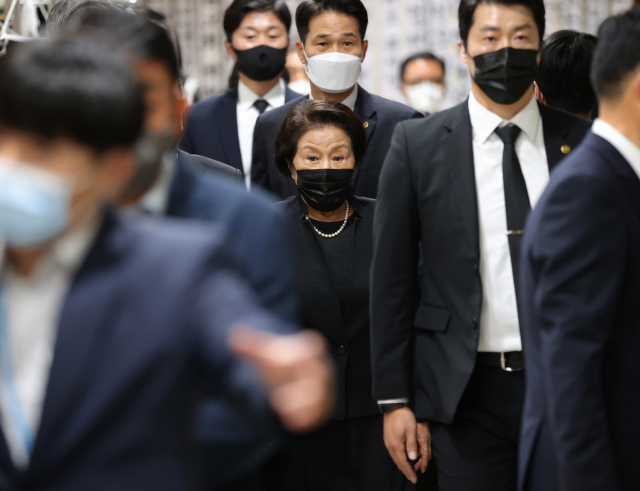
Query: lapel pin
[[365, 125], [565, 149]]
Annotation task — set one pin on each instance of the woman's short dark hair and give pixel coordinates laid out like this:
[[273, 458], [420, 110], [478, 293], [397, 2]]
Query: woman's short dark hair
[[70, 88], [235, 13], [308, 9], [311, 114], [467, 10]]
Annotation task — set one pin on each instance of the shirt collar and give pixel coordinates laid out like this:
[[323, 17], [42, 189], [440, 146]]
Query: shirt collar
[[247, 97], [350, 101], [485, 122], [156, 198], [621, 143]]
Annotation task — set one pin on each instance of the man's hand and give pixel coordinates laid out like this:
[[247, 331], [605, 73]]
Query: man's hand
[[400, 438], [424, 441], [298, 371]]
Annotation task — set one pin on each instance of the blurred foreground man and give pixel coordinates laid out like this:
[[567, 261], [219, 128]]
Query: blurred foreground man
[[170, 183], [581, 291], [455, 190], [109, 338]]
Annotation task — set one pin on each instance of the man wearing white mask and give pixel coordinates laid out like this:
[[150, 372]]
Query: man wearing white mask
[[332, 48], [422, 82]]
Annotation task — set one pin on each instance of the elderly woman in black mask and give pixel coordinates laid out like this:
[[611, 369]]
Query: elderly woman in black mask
[[320, 144]]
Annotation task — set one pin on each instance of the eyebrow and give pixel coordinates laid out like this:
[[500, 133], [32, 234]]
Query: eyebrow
[[323, 36], [498, 29]]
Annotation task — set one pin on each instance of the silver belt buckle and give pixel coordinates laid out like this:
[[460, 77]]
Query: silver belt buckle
[[503, 363]]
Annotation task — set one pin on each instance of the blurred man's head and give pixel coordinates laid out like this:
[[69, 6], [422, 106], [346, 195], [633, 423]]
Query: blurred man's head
[[615, 73], [70, 113], [500, 41], [422, 82], [155, 66], [258, 37], [563, 79], [332, 34]]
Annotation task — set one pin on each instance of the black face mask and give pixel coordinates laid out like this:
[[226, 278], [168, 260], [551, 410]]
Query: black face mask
[[505, 75], [261, 63], [325, 189]]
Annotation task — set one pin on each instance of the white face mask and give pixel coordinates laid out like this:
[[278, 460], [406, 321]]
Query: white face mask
[[333, 72], [426, 96], [301, 87]]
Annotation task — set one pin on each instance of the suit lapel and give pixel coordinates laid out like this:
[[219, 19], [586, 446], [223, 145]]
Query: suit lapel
[[457, 147], [555, 136], [226, 119], [366, 111], [83, 332], [183, 196]]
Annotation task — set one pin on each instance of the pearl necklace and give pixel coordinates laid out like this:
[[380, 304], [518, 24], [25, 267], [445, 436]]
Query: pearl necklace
[[331, 236]]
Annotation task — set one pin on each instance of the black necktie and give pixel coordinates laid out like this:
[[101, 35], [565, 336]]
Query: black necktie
[[516, 198], [261, 105]]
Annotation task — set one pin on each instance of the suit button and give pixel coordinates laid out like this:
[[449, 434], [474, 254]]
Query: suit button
[[342, 350]]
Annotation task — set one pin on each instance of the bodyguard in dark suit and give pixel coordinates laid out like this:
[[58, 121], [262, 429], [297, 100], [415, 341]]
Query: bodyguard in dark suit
[[454, 192], [319, 144], [100, 382], [332, 49], [580, 291], [177, 184], [221, 127]]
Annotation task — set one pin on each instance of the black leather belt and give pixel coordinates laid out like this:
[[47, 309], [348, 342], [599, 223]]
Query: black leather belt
[[509, 362]]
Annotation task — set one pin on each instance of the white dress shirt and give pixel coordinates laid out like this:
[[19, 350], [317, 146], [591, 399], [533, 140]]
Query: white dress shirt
[[247, 114], [629, 150], [499, 325], [350, 101], [32, 308]]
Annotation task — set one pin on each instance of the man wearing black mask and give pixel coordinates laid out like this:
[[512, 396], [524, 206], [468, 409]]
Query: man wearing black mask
[[455, 190], [221, 127]]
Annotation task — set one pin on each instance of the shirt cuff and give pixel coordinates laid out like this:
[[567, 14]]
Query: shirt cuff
[[401, 400]]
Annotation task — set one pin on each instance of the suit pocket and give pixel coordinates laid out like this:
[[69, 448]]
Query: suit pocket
[[432, 318]]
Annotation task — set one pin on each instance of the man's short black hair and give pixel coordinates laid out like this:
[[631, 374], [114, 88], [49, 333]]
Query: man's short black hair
[[617, 55], [308, 9], [235, 13], [467, 10], [425, 55], [70, 88], [565, 65], [124, 30]]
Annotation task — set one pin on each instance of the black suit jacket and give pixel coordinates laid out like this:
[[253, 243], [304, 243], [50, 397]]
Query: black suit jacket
[[425, 342], [580, 273], [141, 337], [204, 164], [348, 335], [379, 116], [212, 128]]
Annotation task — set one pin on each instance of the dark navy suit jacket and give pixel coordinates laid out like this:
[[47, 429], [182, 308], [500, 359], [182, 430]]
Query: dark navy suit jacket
[[212, 128], [580, 272], [203, 189], [258, 232], [141, 339], [379, 117]]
